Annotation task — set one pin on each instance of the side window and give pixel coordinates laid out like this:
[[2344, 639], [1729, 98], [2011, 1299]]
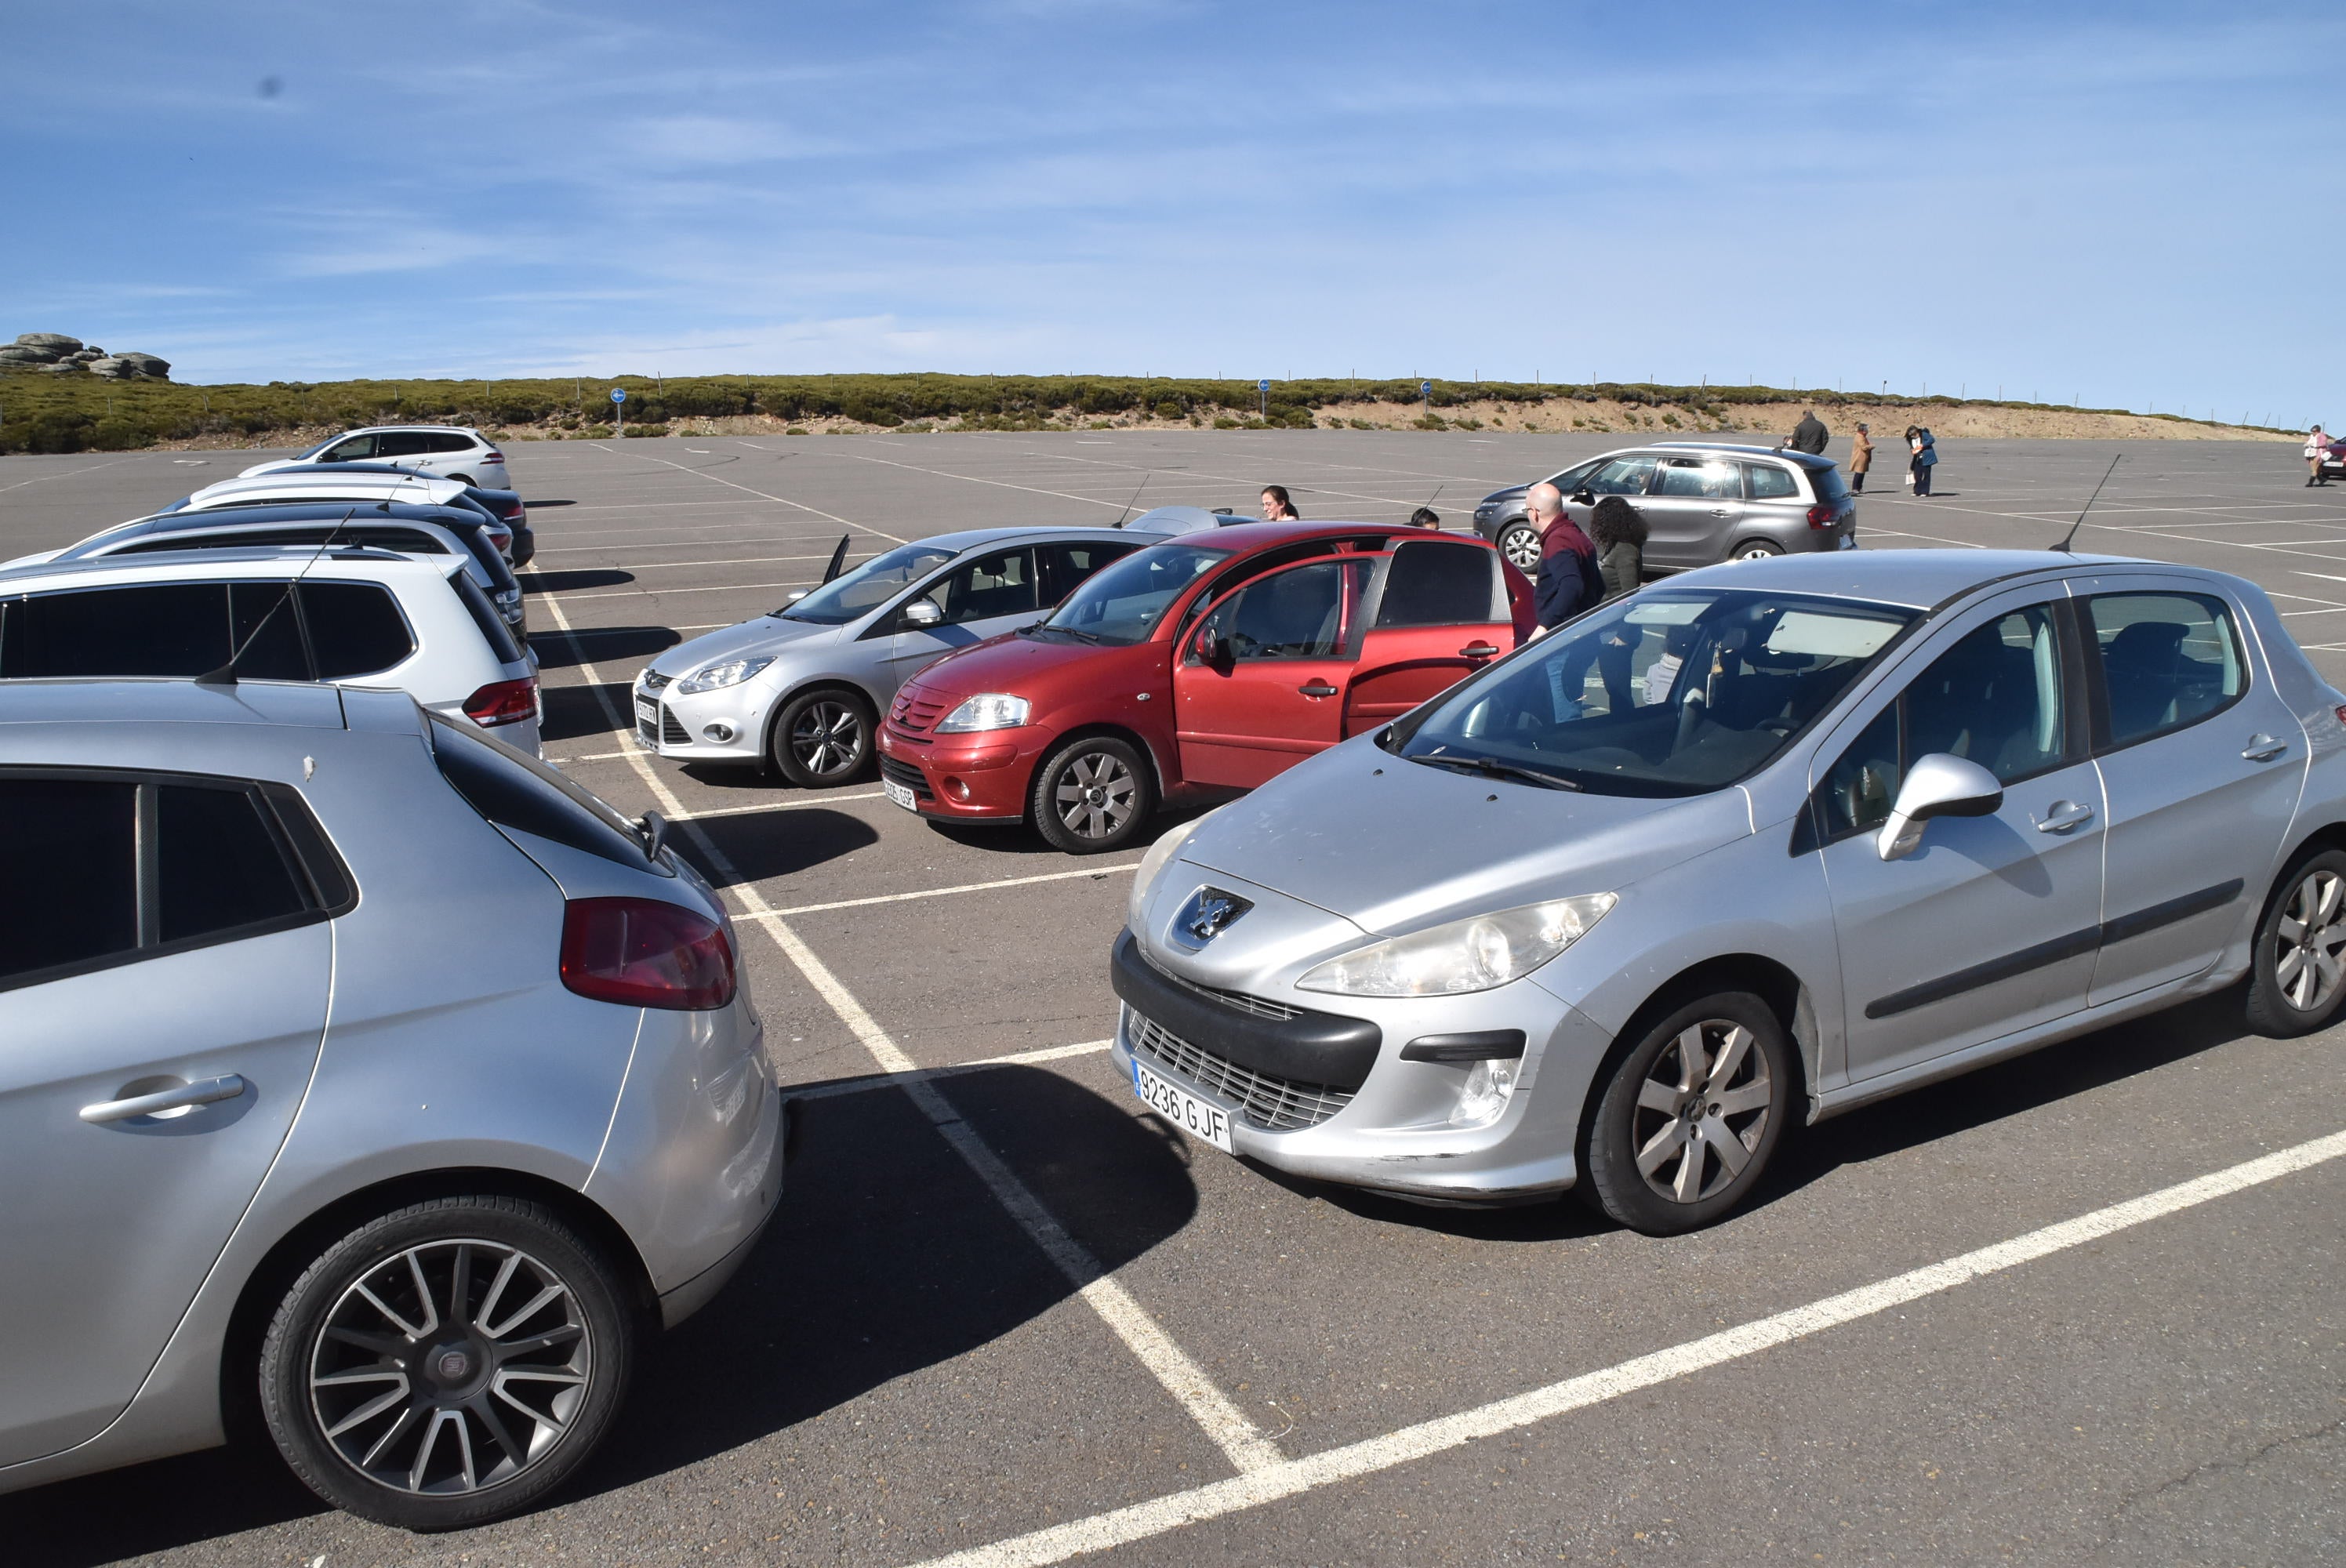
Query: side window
[[355, 628], [1769, 483], [1062, 566], [70, 874], [1573, 478], [403, 443], [1000, 585], [1698, 477], [219, 866], [1622, 476], [358, 449], [1294, 614], [2167, 661], [1431, 584], [1253, 567], [156, 629], [1994, 699]]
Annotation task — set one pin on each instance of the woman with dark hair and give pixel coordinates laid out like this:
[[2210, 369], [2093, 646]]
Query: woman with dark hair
[[1425, 517], [1618, 531], [1927, 458], [1277, 507]]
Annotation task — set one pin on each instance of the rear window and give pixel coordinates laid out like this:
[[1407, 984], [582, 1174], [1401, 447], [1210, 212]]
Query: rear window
[[485, 614], [355, 628], [512, 791], [1828, 483], [1766, 482], [452, 442]]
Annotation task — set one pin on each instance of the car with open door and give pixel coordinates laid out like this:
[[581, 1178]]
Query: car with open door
[[803, 687], [1198, 667], [1739, 851]]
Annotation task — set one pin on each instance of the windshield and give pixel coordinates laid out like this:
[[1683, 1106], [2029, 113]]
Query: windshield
[[1662, 693], [869, 585], [1123, 602]]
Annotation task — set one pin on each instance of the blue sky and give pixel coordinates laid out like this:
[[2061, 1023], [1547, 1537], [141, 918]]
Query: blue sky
[[2129, 205]]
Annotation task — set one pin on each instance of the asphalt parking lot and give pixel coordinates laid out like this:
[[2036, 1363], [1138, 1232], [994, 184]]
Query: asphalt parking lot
[[1007, 1312]]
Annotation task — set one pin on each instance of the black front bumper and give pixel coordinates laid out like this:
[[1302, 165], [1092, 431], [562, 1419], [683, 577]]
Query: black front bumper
[[1306, 1046]]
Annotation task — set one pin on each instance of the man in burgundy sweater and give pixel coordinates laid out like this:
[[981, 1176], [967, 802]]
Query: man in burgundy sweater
[[1568, 581]]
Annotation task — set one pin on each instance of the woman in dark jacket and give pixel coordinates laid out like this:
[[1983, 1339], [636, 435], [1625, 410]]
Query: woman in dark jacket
[[1618, 531]]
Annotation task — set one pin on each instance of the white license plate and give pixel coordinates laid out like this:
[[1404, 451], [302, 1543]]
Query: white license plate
[[1183, 1109], [898, 793]]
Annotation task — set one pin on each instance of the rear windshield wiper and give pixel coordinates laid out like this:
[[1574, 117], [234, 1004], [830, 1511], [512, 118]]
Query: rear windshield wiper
[[1492, 767]]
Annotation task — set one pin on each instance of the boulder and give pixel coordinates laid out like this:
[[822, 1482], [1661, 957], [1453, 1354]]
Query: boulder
[[146, 365], [69, 367], [26, 354], [87, 354], [112, 367], [56, 342]]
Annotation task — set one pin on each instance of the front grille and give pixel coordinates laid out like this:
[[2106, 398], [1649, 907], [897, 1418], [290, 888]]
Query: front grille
[[914, 713], [1275, 1104], [1261, 1007], [910, 777], [672, 730]]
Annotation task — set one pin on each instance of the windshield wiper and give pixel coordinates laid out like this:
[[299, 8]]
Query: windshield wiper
[[1093, 637], [1492, 767]]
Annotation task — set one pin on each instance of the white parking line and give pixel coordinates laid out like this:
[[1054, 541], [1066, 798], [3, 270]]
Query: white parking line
[[777, 805], [704, 473], [1289, 1477], [897, 1080], [1241, 1443], [1094, 872], [548, 598]]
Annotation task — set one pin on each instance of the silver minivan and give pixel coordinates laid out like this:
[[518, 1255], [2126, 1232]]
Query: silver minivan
[[1704, 502], [1748, 848], [292, 1127]]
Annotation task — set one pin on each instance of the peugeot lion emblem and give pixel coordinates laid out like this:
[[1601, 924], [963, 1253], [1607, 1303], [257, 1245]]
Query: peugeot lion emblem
[[1209, 912]]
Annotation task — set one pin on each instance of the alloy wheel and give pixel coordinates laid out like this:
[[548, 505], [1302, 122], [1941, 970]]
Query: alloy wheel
[[1521, 544], [450, 1367], [1756, 552], [826, 737], [2309, 938], [1095, 795], [1702, 1110]]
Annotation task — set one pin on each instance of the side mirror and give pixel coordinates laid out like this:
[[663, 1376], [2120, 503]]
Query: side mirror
[[1938, 785], [1582, 498], [1214, 650], [922, 613]]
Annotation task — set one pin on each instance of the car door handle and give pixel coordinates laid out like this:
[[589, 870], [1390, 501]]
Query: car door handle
[[202, 1092], [2264, 749], [1478, 650], [1317, 688], [1720, 511], [2064, 816]]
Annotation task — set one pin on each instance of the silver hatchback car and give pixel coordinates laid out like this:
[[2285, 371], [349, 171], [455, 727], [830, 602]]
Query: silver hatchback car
[[1761, 843], [804, 686], [287, 1127], [1704, 502]]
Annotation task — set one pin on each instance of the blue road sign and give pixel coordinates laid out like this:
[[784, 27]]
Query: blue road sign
[[1263, 386], [1425, 389], [618, 394]]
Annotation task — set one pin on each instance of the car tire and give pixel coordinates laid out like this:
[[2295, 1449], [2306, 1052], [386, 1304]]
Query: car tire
[[2303, 924], [495, 1340], [1092, 796], [1660, 1157], [821, 738], [1519, 542], [1755, 550]]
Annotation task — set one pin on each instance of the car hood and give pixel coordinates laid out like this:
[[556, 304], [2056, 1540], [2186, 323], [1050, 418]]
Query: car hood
[[274, 465], [1512, 493], [1395, 846], [1004, 663], [766, 634]]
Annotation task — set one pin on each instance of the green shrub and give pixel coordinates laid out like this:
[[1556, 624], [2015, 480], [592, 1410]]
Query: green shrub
[[647, 429], [1167, 409], [119, 435], [796, 430], [1224, 421]]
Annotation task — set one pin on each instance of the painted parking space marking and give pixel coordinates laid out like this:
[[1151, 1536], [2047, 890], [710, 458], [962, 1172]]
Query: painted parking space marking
[[688, 468], [1294, 1477], [896, 1080], [1096, 873]]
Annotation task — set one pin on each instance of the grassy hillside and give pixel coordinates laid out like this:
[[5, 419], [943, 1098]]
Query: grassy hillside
[[41, 412]]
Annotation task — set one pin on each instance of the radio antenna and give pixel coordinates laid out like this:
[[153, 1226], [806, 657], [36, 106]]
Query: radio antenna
[[2068, 538], [226, 674], [1136, 496]]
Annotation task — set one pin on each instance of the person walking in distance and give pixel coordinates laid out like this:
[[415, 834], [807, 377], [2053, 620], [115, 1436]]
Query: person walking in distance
[[1277, 507], [1810, 435], [2317, 448], [1927, 458], [1569, 581], [1861, 458]]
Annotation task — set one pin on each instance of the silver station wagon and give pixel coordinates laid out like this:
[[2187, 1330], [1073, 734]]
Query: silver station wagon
[[804, 686], [1760, 844]]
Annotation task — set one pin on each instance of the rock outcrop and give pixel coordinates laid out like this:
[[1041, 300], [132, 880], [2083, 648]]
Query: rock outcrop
[[57, 351]]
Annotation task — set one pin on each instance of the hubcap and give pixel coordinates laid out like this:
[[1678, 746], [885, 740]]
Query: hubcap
[[1701, 1110], [450, 1367], [826, 739], [1754, 553], [1523, 548], [1095, 795], [2306, 952]]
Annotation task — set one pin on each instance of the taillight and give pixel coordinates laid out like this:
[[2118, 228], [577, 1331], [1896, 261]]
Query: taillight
[[503, 702], [1820, 516], [493, 456], [640, 952], [501, 539]]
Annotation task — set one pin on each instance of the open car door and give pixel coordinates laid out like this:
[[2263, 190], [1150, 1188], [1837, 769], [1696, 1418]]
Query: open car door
[[1438, 612], [1258, 683]]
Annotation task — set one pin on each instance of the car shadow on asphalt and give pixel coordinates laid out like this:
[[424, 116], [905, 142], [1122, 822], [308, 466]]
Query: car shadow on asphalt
[[571, 582], [561, 650], [571, 712], [762, 844], [1021, 839], [887, 1254]]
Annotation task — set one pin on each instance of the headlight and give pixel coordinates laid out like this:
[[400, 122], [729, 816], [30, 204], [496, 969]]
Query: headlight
[[732, 672], [1472, 954], [986, 710], [1160, 855]]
